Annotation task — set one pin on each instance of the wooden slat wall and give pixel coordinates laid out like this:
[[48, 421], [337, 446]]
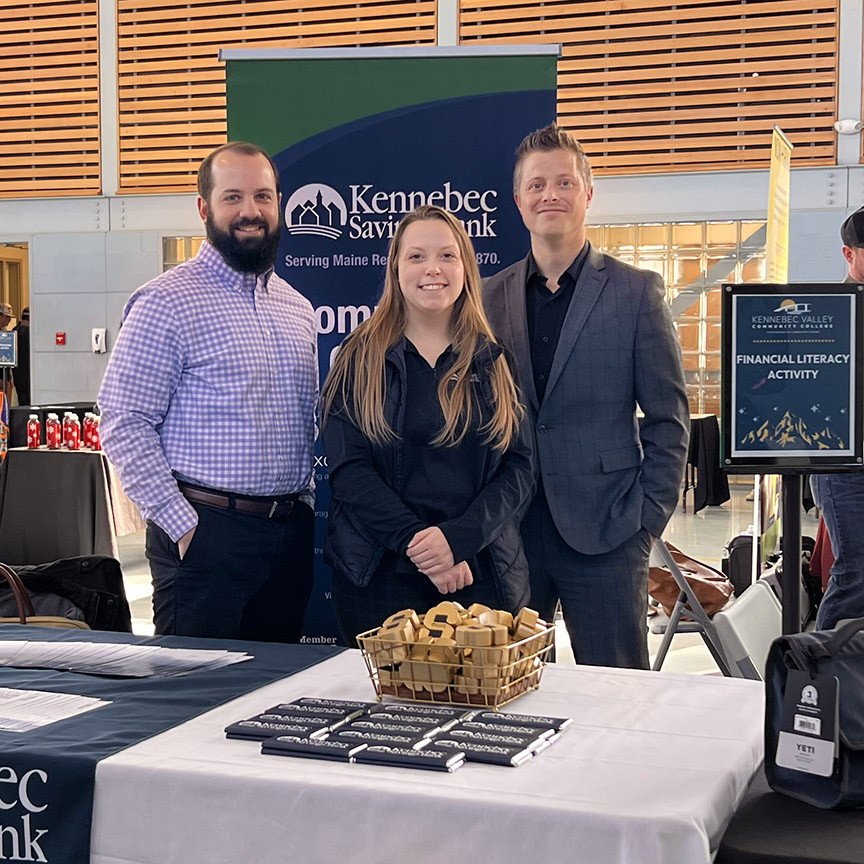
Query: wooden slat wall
[[652, 86], [49, 98], [172, 89]]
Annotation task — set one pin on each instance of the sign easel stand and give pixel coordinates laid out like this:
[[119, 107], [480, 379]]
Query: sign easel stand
[[792, 370], [790, 546]]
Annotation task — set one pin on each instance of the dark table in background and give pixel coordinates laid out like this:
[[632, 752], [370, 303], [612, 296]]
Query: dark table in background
[[19, 416], [61, 504], [703, 473]]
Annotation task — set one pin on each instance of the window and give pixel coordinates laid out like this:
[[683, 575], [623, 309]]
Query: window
[[693, 259], [176, 250]]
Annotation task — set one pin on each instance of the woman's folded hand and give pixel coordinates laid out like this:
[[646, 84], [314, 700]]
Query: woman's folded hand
[[430, 552], [453, 579]]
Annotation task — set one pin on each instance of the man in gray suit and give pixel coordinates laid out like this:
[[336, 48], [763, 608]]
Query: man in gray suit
[[592, 338]]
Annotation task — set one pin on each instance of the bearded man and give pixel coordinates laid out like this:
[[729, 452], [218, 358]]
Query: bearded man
[[208, 414]]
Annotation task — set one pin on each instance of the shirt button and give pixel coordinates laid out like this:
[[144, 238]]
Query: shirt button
[[545, 338], [541, 377], [268, 332], [541, 429]]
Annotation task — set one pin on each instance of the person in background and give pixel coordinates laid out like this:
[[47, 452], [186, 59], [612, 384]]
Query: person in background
[[852, 235], [427, 443], [592, 339], [6, 316], [211, 422], [22, 370], [840, 497]]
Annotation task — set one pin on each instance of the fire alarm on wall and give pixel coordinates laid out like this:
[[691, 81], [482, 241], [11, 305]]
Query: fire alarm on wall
[[59, 338]]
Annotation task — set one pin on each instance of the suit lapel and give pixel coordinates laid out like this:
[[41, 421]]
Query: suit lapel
[[592, 279], [517, 315]]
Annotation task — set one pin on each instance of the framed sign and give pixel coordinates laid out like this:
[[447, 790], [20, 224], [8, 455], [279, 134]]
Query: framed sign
[[792, 369], [8, 348]]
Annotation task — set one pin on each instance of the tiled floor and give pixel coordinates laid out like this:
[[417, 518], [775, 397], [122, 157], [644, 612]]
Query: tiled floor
[[702, 536], [136, 578]]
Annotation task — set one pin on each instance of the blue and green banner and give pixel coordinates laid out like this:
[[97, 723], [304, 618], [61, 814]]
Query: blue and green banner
[[363, 136]]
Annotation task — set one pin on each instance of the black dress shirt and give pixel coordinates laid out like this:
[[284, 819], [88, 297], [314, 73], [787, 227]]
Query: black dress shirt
[[546, 311], [440, 482]]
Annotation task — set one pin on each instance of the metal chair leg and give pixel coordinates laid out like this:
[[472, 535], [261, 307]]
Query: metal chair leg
[[671, 627], [714, 646]]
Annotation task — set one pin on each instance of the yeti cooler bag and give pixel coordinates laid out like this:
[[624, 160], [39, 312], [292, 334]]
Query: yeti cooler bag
[[814, 716]]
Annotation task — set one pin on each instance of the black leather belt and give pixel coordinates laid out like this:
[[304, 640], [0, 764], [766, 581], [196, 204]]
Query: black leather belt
[[272, 508]]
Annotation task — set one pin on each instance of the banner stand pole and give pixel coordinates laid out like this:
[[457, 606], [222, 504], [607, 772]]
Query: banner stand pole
[[790, 546]]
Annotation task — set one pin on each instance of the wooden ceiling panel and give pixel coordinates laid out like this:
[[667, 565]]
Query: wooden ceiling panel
[[167, 68], [647, 85], [49, 98], [650, 87]]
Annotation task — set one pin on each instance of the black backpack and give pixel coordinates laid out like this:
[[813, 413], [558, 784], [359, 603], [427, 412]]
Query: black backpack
[[88, 588]]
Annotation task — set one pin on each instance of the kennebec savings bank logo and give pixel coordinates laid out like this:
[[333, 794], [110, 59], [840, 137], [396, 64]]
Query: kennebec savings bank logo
[[319, 209], [316, 209]]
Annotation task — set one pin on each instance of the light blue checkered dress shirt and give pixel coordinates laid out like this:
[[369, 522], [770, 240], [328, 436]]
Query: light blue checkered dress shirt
[[214, 377]]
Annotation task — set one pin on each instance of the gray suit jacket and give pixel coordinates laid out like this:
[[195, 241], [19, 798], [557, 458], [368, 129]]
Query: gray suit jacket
[[604, 474]]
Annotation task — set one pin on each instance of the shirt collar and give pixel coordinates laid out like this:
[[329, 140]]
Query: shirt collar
[[239, 283], [573, 270], [410, 348]]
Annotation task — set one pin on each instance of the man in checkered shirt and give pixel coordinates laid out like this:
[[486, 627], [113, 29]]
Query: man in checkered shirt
[[208, 414]]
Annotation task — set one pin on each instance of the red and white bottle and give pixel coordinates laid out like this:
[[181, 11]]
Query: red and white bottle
[[34, 432], [95, 441], [53, 432], [86, 430], [73, 440]]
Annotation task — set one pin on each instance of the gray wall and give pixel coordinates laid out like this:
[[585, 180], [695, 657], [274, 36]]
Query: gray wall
[[814, 246], [78, 282], [86, 256]]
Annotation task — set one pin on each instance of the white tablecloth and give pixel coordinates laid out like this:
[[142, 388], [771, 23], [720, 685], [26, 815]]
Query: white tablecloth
[[649, 772]]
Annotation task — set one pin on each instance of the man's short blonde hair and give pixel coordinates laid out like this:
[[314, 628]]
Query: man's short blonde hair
[[551, 138]]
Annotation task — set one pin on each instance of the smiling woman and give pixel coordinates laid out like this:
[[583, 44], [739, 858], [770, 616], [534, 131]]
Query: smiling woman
[[431, 276], [429, 454]]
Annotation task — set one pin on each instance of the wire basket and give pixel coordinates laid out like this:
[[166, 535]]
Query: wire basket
[[457, 675]]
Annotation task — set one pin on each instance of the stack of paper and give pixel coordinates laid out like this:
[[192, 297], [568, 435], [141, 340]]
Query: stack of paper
[[120, 659], [23, 710]]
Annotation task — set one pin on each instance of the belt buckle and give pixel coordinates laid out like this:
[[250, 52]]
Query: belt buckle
[[273, 507]]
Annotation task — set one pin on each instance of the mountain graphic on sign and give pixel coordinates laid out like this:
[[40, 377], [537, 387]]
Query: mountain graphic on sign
[[793, 432]]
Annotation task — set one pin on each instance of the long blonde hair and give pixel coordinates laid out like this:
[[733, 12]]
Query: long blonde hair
[[356, 382]]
